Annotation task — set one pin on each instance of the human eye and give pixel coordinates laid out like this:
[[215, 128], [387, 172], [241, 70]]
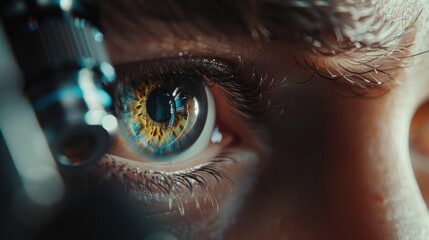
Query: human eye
[[167, 112], [189, 136]]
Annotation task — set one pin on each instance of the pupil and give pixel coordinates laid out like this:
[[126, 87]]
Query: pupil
[[159, 105]]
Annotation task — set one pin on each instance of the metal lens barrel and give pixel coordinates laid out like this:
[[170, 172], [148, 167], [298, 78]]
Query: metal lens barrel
[[61, 53]]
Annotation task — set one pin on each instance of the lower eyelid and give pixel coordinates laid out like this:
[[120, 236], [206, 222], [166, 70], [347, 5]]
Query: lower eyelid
[[212, 181], [121, 150]]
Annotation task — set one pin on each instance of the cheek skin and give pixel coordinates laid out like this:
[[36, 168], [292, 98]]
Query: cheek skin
[[340, 168], [369, 182]]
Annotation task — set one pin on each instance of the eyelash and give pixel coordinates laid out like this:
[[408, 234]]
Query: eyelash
[[149, 185]]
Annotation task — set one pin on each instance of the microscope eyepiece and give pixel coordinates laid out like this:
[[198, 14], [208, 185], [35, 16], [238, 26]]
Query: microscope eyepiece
[[61, 53]]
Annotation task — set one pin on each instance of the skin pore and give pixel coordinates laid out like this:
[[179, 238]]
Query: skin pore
[[338, 164]]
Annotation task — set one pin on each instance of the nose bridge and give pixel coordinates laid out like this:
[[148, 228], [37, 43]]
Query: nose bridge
[[370, 191]]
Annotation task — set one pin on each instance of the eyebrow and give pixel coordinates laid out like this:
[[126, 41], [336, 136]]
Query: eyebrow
[[335, 25], [381, 41]]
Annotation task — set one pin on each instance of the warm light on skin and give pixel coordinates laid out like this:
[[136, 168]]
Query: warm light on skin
[[340, 167]]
